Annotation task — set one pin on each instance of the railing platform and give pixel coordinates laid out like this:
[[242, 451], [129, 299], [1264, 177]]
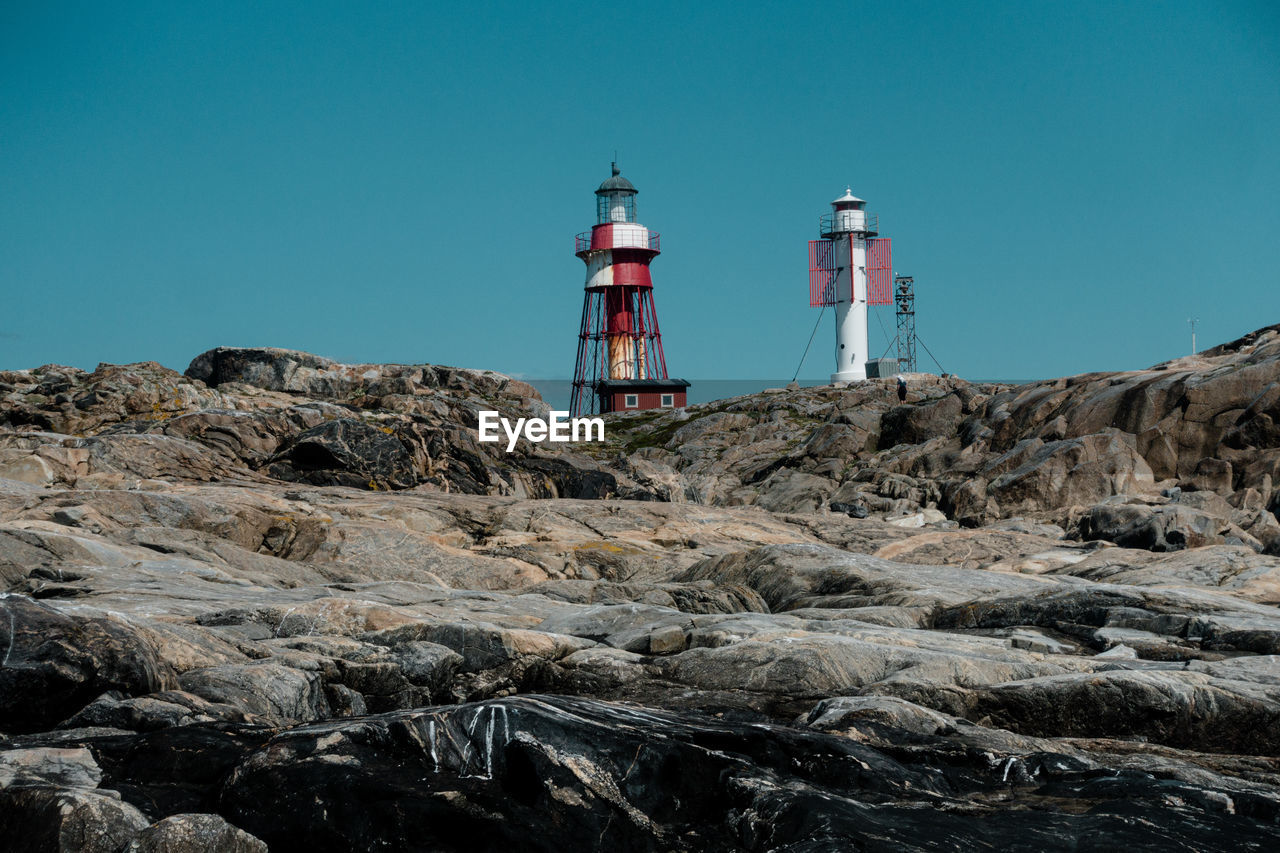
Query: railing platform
[[827, 224], [653, 242]]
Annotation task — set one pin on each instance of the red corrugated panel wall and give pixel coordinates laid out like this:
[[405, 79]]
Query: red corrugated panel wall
[[879, 271], [821, 273]]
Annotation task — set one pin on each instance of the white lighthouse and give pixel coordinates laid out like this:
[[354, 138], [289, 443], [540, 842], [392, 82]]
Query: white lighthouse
[[849, 268], [849, 258]]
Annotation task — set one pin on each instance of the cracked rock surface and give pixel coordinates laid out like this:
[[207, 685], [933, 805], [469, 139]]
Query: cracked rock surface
[[282, 603]]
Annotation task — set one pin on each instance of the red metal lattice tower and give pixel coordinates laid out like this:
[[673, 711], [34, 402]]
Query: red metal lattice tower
[[619, 345]]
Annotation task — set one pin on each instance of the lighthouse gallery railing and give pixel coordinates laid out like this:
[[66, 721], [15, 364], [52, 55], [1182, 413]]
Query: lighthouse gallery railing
[[582, 242], [827, 224]]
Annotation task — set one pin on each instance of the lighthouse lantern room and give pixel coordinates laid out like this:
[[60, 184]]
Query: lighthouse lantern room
[[620, 364], [850, 268]]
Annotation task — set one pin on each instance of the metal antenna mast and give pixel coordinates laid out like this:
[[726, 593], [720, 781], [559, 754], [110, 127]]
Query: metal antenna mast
[[1192, 322], [905, 297]]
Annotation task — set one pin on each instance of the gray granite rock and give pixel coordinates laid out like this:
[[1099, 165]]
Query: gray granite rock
[[301, 595]]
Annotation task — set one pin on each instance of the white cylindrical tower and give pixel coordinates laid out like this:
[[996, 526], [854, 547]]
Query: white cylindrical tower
[[848, 234]]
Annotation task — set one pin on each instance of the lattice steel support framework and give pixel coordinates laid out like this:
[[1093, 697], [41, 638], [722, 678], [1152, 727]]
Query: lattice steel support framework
[[615, 318], [905, 298]]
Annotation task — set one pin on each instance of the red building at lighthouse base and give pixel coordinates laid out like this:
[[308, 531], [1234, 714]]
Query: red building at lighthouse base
[[621, 395]]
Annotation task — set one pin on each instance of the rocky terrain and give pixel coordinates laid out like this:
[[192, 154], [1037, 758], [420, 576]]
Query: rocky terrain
[[282, 603]]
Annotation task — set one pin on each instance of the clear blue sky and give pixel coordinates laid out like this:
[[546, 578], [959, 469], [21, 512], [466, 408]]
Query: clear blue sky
[[1068, 182]]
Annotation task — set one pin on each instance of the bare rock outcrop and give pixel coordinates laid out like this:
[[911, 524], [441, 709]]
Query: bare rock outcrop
[[1201, 426], [283, 601]]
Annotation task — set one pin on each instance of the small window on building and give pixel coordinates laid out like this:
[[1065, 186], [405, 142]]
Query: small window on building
[[631, 401], [668, 400]]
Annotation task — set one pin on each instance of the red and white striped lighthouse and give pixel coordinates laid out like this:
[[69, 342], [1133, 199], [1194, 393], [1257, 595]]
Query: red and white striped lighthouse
[[620, 364]]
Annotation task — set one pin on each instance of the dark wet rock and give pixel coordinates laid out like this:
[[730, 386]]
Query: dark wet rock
[[38, 819], [428, 665], [1176, 709], [853, 510], [267, 691], [345, 452], [1159, 528], [547, 773], [53, 664], [579, 481], [916, 424], [153, 711]]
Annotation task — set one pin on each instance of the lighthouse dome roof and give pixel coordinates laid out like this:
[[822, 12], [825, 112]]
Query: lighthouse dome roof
[[617, 183], [848, 197]]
